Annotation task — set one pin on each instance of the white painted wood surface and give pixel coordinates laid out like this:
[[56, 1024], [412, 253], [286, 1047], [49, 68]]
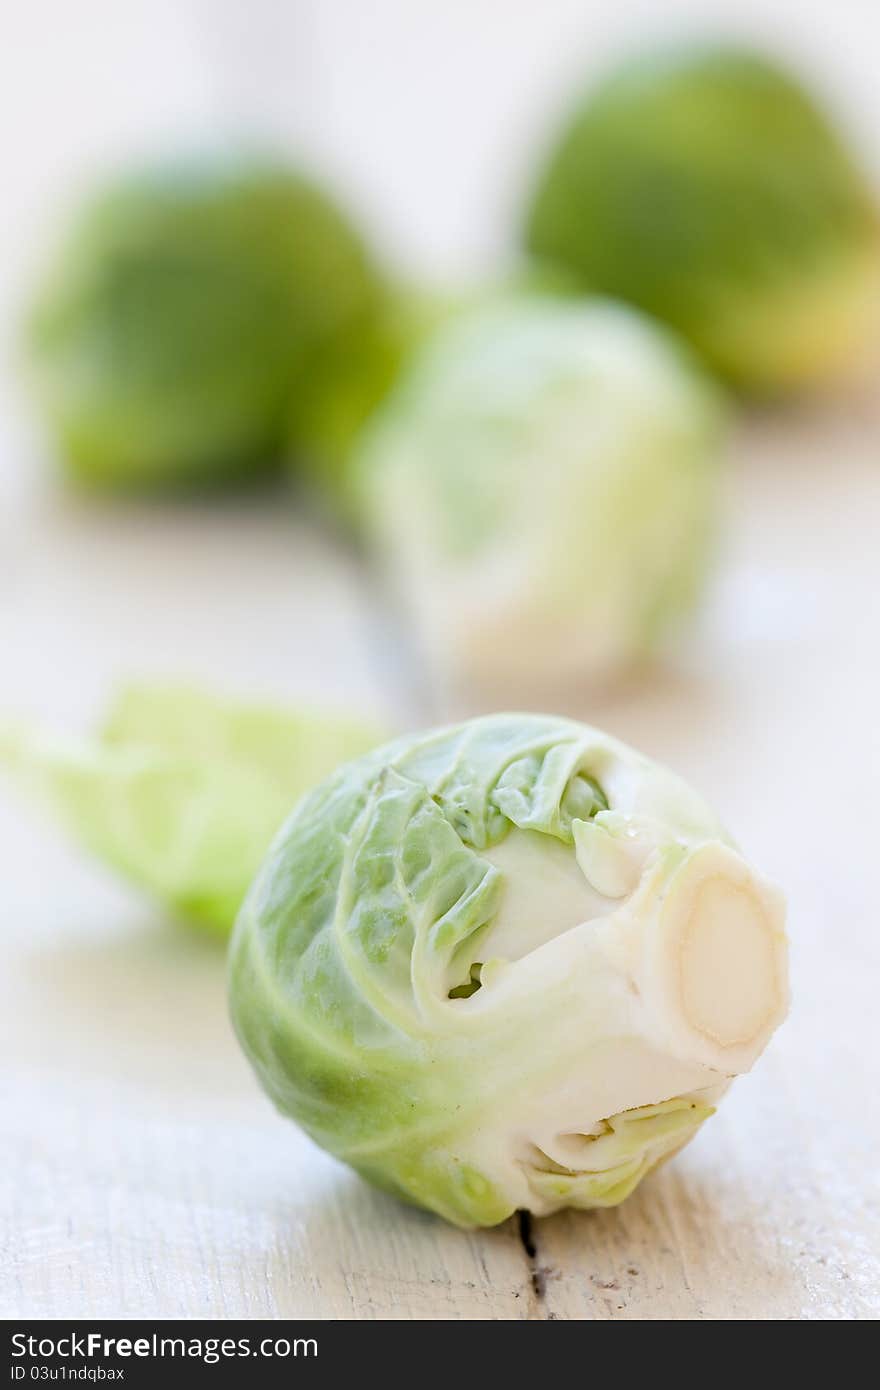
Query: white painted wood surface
[[144, 1174]]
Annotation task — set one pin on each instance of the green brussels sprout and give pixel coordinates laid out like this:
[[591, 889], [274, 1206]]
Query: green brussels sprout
[[507, 964], [540, 491], [705, 186], [183, 317], [181, 792], [349, 385]]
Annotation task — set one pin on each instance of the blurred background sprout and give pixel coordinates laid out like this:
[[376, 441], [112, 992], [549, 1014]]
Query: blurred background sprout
[[705, 185], [540, 492], [187, 313]]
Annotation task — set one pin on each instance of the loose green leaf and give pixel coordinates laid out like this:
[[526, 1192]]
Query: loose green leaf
[[182, 792]]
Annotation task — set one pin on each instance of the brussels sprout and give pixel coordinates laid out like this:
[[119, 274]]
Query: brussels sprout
[[705, 186], [508, 964], [181, 792], [185, 313], [540, 490], [347, 389]]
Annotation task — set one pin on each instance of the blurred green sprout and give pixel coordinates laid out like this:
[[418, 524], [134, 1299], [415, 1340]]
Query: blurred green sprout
[[184, 317], [705, 185], [539, 490]]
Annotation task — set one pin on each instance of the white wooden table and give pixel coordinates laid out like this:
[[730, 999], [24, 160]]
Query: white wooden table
[[144, 1174]]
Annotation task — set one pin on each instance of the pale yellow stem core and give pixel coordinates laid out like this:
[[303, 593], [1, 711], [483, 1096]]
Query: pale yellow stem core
[[722, 958]]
